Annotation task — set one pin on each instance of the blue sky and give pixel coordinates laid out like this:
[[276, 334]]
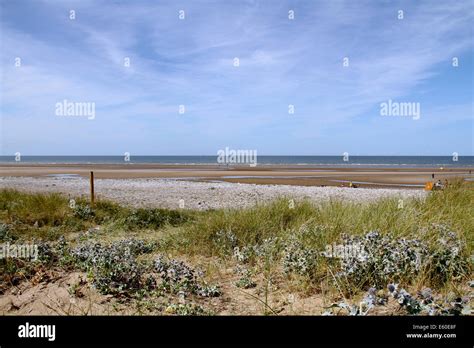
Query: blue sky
[[190, 62]]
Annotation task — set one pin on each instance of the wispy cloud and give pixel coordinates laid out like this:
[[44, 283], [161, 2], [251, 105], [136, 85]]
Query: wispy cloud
[[190, 62]]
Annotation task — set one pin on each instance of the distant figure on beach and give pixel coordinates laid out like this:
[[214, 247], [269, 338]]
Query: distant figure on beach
[[432, 176], [445, 183]]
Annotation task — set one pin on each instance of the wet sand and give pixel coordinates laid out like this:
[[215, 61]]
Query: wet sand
[[262, 174]]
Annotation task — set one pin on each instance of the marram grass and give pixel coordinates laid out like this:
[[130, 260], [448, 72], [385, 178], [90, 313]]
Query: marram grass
[[280, 232]]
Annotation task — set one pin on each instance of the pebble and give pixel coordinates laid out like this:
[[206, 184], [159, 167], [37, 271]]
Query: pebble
[[166, 193]]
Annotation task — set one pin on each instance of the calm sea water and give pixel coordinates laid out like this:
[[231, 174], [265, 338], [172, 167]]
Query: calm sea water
[[394, 161]]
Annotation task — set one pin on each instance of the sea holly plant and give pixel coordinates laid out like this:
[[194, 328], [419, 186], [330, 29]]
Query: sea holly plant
[[386, 257], [299, 255], [224, 241], [177, 277], [245, 281], [424, 303], [298, 258], [446, 258], [382, 257], [114, 269], [186, 309], [268, 249], [83, 211]]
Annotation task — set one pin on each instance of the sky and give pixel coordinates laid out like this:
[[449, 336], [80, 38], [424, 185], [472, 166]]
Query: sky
[[291, 55]]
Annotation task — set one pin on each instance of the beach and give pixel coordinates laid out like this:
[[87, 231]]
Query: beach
[[174, 194], [205, 187], [262, 174]]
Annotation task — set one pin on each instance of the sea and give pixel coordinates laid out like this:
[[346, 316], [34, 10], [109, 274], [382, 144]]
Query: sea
[[330, 161]]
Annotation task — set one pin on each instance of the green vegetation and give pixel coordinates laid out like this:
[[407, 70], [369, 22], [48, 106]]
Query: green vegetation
[[50, 216], [452, 207], [426, 242]]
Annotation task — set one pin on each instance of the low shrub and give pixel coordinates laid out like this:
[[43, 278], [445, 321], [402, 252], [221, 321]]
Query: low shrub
[[114, 268], [155, 218], [387, 258], [83, 212], [177, 277]]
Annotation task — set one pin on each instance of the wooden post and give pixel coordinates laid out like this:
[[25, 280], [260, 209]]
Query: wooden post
[[92, 188]]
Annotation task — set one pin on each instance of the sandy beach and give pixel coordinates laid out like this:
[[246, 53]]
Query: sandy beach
[[212, 187], [306, 175]]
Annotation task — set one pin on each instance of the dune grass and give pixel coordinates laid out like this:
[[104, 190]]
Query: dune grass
[[452, 207], [50, 216], [282, 229]]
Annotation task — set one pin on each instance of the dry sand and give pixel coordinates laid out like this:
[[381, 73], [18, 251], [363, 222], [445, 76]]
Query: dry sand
[[263, 174]]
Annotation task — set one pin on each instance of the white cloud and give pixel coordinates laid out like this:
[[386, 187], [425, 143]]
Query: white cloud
[[190, 62]]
